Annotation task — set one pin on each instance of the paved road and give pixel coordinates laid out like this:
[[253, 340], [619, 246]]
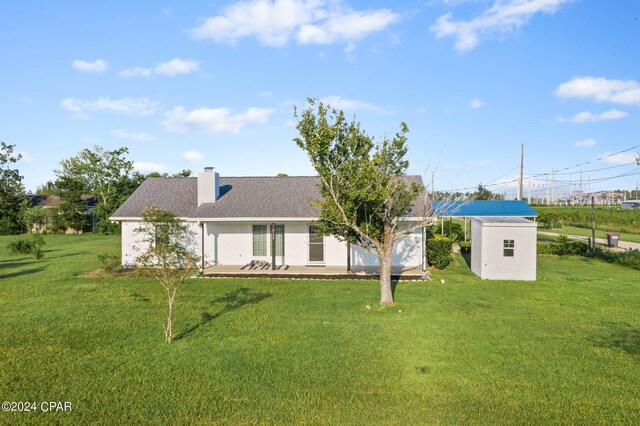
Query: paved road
[[621, 244]]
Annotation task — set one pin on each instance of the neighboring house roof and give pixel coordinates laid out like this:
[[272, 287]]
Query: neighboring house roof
[[240, 197], [515, 208], [56, 201]]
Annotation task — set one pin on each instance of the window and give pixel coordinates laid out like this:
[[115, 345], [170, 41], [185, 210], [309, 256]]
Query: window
[[508, 247], [316, 245], [259, 240], [262, 240], [279, 240]]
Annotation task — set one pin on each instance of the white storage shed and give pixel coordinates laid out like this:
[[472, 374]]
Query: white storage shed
[[503, 248]]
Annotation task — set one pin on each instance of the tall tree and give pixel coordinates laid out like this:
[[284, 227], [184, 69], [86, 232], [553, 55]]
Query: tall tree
[[101, 170], [167, 254], [362, 184], [73, 208], [11, 191]]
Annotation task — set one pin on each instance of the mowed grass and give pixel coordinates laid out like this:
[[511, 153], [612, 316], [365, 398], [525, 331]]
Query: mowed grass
[[586, 232], [563, 349]]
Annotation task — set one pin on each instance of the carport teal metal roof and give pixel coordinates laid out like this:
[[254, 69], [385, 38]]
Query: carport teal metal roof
[[511, 208]]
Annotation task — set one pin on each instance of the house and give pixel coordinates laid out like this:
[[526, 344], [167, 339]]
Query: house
[[234, 217], [503, 237], [51, 202]]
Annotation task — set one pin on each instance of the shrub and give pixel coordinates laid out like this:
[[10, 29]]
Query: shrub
[[563, 247], [629, 258], [110, 263], [32, 245], [439, 251], [452, 229], [21, 246]]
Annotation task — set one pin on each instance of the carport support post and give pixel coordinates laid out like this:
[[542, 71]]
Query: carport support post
[[273, 246]]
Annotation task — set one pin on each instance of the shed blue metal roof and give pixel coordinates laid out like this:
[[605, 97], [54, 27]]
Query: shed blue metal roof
[[513, 208]]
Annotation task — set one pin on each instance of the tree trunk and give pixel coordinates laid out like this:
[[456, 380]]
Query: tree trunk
[[168, 332], [384, 255]]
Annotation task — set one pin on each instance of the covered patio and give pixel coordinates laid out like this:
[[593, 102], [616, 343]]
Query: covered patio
[[314, 272]]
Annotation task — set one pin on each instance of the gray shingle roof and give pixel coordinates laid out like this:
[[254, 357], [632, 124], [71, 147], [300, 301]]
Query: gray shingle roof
[[176, 195], [240, 197]]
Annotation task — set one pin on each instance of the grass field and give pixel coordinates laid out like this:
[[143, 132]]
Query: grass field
[[586, 232], [608, 219], [563, 349]]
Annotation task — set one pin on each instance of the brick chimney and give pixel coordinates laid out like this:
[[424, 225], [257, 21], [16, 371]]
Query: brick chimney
[[208, 186]]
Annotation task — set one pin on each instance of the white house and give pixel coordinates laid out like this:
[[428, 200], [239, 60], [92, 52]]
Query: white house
[[233, 217], [503, 248]]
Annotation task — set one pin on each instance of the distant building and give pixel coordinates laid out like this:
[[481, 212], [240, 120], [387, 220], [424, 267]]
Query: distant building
[[54, 202], [631, 204]]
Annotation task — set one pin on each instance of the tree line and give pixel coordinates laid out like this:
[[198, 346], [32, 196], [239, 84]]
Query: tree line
[[106, 176]]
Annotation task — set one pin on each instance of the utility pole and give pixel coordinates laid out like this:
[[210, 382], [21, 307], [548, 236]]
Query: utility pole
[[521, 173], [547, 189], [433, 184], [553, 186], [593, 225]]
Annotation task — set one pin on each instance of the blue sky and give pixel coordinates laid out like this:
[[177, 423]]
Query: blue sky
[[191, 84]]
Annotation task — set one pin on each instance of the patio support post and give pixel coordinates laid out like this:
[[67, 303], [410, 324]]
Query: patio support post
[[424, 249], [348, 257], [273, 246], [202, 244]]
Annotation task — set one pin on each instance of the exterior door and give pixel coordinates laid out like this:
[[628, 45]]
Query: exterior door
[[316, 245]]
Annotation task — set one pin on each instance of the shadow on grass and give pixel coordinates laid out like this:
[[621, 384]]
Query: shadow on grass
[[64, 255], [231, 301], [620, 336], [467, 258], [23, 272]]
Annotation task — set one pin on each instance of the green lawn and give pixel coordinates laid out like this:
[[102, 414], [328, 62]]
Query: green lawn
[[586, 232], [563, 349]]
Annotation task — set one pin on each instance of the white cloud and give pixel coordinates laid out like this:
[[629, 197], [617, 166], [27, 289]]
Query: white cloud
[[193, 156], [135, 72], [276, 22], [619, 158], [345, 104], [177, 66], [503, 17], [347, 27], [476, 103], [265, 93], [587, 116], [134, 136], [128, 106], [98, 66], [212, 120], [171, 68], [625, 92], [585, 143], [421, 110], [26, 158], [148, 167]]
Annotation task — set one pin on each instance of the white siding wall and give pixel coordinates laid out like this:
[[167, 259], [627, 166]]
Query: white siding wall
[[228, 243], [133, 244], [232, 244], [476, 248]]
